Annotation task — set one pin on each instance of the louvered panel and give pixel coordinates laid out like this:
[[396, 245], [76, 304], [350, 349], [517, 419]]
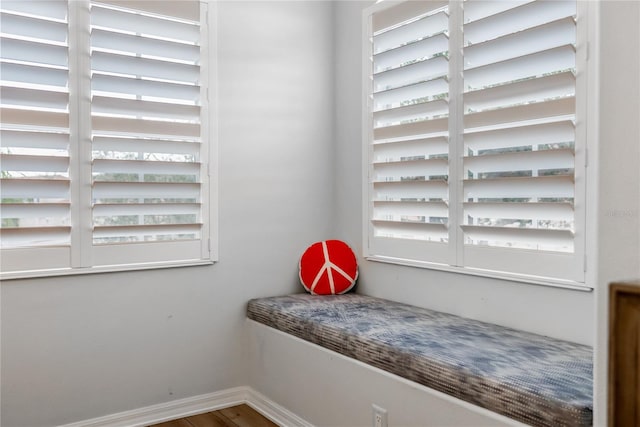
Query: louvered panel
[[522, 92], [144, 88], [34, 100], [403, 75], [523, 67], [413, 149]]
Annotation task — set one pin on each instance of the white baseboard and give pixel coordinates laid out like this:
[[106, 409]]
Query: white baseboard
[[154, 414]]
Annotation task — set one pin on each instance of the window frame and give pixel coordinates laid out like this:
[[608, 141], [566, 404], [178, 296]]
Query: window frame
[[450, 257], [78, 257]]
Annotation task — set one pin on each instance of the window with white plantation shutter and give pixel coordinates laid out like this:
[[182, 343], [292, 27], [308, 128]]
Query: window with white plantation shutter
[[408, 125], [34, 135], [105, 145], [146, 127], [501, 138]]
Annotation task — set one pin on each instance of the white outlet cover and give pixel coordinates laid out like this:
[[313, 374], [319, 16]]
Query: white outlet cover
[[379, 416]]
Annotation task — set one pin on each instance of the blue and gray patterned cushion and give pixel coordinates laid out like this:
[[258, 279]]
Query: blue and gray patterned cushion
[[534, 379]]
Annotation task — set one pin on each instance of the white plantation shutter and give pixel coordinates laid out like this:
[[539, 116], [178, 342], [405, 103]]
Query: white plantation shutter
[[145, 112], [512, 147], [34, 134], [409, 87], [105, 149]]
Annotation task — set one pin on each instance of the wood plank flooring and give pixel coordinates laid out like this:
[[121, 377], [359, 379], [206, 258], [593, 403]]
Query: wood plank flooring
[[236, 416]]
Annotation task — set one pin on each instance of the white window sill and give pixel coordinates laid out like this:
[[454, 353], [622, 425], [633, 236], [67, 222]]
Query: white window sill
[[100, 269], [522, 278]]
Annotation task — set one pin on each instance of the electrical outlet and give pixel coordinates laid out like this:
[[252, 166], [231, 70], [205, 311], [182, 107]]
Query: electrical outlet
[[379, 416]]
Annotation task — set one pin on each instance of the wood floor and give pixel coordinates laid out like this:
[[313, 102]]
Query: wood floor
[[236, 416]]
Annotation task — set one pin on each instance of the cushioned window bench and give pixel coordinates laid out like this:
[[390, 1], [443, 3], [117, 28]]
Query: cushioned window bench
[[530, 378]]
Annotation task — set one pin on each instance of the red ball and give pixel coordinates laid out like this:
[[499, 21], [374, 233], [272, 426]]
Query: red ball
[[328, 268]]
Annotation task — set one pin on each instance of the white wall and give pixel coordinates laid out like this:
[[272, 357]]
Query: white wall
[[79, 347], [555, 312], [619, 163]]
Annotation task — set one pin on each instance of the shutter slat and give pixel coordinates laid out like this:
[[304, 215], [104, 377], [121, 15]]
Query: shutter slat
[[145, 24], [409, 113], [45, 164], [35, 98], [516, 19], [413, 51], [33, 27], [144, 109], [423, 70], [119, 126], [34, 74], [405, 11], [106, 147], [144, 46], [34, 52], [520, 161], [410, 230], [148, 88], [411, 149], [43, 189], [152, 68], [34, 237], [551, 133], [530, 112], [519, 188], [528, 66], [528, 211], [425, 128], [405, 170], [153, 190], [532, 90], [46, 9], [538, 39], [410, 191], [145, 167], [35, 119], [146, 209], [178, 9], [19, 139], [394, 98], [526, 238]]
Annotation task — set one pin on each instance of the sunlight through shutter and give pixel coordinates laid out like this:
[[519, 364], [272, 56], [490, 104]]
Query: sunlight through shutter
[[519, 136], [34, 132], [146, 108], [409, 114]]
